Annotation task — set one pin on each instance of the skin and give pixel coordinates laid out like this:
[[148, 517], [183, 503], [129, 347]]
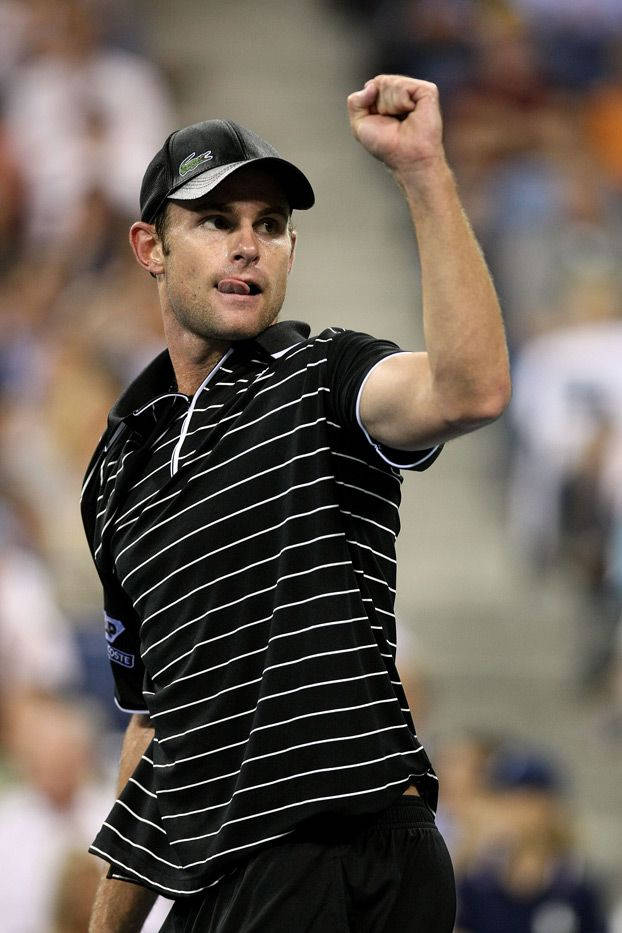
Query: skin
[[462, 381], [411, 400], [238, 231]]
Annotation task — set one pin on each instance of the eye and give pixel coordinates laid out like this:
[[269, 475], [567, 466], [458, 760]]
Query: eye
[[215, 222], [272, 225]]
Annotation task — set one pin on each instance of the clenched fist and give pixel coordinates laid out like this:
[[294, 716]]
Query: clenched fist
[[398, 120]]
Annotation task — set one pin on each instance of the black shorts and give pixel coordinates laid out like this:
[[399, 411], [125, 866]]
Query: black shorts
[[385, 873]]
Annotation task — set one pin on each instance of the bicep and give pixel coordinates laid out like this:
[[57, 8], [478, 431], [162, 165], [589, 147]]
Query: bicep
[[397, 405], [400, 405]]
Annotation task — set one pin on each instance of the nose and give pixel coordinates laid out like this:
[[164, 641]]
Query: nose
[[244, 245]]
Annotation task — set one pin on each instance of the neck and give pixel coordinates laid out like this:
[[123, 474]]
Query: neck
[[193, 357], [191, 371]]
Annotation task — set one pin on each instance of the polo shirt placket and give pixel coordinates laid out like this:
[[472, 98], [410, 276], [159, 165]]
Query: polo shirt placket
[[245, 542]]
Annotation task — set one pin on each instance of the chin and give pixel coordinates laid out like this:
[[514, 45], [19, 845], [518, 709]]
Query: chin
[[246, 328]]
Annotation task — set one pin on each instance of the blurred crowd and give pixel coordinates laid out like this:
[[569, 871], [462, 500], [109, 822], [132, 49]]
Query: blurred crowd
[[532, 97], [82, 109]]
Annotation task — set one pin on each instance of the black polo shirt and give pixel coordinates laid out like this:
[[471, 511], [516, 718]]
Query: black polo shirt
[[245, 541]]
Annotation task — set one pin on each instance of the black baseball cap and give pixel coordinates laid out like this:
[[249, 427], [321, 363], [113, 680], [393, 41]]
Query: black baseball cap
[[194, 160]]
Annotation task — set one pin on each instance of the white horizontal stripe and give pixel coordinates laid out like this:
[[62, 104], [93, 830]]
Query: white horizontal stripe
[[141, 819], [368, 576], [288, 806], [115, 861], [101, 536], [275, 725], [293, 748], [386, 473], [323, 712], [339, 738], [304, 369], [256, 621], [367, 492], [178, 735], [137, 845], [134, 507], [310, 628], [362, 518], [212, 780], [290, 777], [269, 696], [248, 654], [214, 751], [247, 845], [235, 602], [199, 501], [232, 573], [274, 411], [241, 482], [160, 398], [197, 589], [322, 683], [272, 638], [367, 547], [249, 450], [150, 794], [209, 407]]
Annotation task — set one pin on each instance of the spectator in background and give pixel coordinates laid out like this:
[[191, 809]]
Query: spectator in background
[[73, 126], [38, 656], [466, 812], [567, 413], [530, 879], [430, 38], [48, 815], [574, 38], [53, 809]]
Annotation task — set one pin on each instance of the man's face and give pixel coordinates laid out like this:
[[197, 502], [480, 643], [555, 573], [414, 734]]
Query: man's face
[[227, 258]]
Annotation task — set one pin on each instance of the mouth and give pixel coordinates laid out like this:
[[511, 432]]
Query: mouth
[[240, 288]]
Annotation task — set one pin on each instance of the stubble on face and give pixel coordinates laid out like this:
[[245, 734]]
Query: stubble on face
[[238, 231]]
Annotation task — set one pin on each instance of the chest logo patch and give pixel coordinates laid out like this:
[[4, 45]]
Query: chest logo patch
[[114, 627]]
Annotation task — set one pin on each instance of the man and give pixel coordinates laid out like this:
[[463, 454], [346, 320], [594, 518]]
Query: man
[[242, 512]]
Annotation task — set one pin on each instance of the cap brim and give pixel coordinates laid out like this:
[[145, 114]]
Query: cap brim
[[297, 189]]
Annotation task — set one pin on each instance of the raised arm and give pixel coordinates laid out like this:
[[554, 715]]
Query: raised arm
[[461, 381], [122, 907]]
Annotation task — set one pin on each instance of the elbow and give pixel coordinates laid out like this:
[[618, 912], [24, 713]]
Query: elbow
[[476, 410], [496, 401]]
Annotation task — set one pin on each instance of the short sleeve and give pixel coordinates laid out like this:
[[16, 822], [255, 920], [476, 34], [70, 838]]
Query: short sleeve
[[351, 358], [123, 649]]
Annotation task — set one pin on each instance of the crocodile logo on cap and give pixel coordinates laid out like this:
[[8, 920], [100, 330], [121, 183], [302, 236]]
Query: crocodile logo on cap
[[193, 160]]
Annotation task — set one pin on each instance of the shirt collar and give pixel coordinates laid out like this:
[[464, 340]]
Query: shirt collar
[[158, 378]]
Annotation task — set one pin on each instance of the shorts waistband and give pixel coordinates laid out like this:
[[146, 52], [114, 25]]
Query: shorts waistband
[[408, 811]]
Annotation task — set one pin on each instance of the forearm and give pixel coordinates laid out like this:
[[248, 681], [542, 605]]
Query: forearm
[[463, 327], [122, 907]]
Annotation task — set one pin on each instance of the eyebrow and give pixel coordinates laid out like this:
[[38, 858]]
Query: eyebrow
[[225, 208]]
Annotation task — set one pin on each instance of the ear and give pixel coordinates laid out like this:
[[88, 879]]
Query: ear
[[147, 247], [292, 252]]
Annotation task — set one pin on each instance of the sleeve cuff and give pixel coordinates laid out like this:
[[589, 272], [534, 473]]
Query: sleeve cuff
[[400, 459], [126, 709]]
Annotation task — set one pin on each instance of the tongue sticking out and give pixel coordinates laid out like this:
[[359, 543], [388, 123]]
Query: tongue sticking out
[[233, 287]]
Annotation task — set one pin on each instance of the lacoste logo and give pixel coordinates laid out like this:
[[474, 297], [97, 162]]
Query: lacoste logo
[[120, 657], [193, 160]]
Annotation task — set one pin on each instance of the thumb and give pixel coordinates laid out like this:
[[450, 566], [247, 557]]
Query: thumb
[[359, 102]]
